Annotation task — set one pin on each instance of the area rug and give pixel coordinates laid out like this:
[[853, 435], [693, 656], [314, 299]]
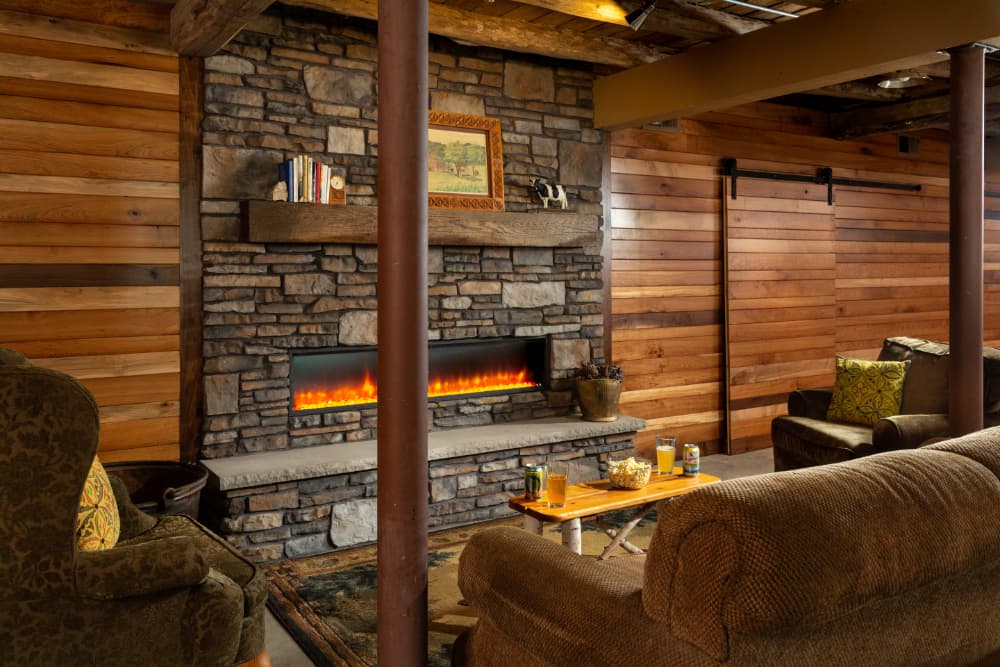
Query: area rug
[[327, 602]]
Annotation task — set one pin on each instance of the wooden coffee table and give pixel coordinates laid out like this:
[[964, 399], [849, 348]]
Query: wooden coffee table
[[591, 499]]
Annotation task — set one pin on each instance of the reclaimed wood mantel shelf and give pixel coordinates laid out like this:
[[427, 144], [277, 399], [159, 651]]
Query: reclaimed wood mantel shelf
[[285, 222]]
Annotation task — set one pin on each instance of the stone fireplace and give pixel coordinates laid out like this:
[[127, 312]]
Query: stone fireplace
[[287, 482]]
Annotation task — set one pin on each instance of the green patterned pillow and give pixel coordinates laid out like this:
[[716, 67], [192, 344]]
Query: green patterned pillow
[[867, 391]]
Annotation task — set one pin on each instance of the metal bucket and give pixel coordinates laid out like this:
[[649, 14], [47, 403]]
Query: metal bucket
[[162, 487], [599, 399]]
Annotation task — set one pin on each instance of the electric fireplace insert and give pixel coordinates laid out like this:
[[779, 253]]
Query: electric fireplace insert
[[345, 378]]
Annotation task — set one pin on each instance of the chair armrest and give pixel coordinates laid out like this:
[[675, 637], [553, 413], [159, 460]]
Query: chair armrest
[[908, 431], [133, 520], [140, 569], [812, 403], [551, 599]]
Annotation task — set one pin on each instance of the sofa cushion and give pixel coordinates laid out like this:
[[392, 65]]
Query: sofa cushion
[[926, 388], [866, 391], [97, 521], [819, 442]]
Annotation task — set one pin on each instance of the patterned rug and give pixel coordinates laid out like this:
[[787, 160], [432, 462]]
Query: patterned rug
[[327, 602]]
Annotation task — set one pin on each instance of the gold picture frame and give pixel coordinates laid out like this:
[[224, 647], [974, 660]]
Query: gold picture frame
[[464, 162]]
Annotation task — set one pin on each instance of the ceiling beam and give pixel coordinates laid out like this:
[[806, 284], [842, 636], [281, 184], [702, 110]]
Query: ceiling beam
[[497, 32], [680, 18], [734, 24], [669, 19], [605, 11], [903, 117], [200, 28], [792, 57], [860, 90]]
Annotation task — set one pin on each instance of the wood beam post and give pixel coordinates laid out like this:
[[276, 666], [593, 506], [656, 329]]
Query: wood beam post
[[200, 28], [402, 332], [192, 380], [966, 241], [793, 56]]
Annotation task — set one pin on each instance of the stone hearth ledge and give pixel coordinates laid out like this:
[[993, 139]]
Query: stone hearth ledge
[[239, 472]]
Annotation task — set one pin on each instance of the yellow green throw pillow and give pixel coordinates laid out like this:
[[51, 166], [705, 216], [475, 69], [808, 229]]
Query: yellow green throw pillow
[[97, 522], [866, 391]]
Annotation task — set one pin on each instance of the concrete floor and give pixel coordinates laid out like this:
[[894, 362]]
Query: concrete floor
[[286, 653]]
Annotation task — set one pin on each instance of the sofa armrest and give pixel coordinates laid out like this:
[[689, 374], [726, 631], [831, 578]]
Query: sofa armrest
[[140, 569], [908, 431], [133, 520], [556, 603], [812, 403]]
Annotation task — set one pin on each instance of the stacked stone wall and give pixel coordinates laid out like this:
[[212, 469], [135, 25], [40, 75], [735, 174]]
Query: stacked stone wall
[[302, 82], [299, 518]]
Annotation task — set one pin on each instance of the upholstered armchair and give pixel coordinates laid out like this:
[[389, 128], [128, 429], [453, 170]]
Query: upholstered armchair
[[805, 437], [168, 593]]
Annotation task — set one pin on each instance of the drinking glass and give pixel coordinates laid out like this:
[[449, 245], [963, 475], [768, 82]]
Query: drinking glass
[[557, 482], [666, 452]]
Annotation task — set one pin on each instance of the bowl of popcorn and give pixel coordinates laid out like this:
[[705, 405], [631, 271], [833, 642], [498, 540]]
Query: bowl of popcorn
[[630, 473]]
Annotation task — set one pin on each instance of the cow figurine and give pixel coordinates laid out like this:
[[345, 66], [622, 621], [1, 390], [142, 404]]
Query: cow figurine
[[550, 192]]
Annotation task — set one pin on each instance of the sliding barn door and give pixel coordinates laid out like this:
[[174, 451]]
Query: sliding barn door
[[780, 301]]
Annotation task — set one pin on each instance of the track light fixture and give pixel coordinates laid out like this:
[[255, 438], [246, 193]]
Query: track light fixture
[[636, 17]]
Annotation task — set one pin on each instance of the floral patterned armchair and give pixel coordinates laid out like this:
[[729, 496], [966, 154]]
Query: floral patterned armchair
[[169, 593]]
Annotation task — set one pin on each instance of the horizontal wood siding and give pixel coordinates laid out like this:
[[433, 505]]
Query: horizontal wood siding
[[89, 260], [780, 312], [889, 270]]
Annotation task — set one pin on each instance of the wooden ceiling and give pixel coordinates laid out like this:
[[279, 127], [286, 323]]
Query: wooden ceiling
[[595, 31]]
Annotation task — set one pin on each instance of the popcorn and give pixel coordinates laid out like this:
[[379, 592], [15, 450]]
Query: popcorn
[[629, 473]]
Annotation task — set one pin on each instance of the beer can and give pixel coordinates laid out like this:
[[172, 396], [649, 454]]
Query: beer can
[[534, 476], [691, 459]]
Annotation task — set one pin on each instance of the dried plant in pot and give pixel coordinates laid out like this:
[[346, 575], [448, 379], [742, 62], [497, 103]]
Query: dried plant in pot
[[598, 389]]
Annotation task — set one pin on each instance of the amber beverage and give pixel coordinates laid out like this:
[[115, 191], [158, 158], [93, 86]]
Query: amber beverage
[[666, 452], [557, 482]]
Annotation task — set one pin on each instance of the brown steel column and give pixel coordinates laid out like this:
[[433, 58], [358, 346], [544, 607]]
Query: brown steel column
[[966, 242], [402, 332]]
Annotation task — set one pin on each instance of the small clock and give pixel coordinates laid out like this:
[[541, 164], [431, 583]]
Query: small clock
[[338, 189]]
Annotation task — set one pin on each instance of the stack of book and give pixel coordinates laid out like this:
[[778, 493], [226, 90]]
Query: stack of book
[[307, 179]]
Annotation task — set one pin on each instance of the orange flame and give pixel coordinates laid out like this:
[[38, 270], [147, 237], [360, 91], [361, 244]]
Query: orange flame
[[366, 391]]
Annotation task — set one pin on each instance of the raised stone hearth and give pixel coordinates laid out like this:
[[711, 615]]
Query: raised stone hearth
[[275, 505]]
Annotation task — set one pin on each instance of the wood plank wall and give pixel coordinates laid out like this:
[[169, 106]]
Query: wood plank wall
[[780, 309], [890, 247], [89, 208]]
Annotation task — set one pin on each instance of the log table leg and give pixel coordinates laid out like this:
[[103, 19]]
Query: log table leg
[[532, 525], [618, 535], [571, 536]]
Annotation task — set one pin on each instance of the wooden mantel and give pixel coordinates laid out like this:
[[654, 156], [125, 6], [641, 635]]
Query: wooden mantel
[[285, 222]]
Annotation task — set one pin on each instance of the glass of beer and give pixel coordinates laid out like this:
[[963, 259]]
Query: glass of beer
[[666, 451], [557, 483]]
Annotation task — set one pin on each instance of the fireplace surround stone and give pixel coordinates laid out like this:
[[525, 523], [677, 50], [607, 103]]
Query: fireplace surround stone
[[276, 505]]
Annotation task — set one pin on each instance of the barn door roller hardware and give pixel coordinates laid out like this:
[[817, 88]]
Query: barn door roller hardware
[[824, 176]]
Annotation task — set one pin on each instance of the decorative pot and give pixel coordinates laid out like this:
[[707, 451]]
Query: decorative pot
[[599, 399]]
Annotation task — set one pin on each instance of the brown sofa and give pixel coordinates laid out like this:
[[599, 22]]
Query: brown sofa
[[804, 437], [890, 560], [170, 593]]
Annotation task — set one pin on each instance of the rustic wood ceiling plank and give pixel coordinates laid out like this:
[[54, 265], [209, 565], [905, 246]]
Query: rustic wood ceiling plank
[[199, 28], [473, 28], [904, 116], [736, 25], [793, 56]]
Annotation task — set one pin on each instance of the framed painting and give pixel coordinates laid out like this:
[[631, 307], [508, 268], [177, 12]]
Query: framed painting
[[464, 162]]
